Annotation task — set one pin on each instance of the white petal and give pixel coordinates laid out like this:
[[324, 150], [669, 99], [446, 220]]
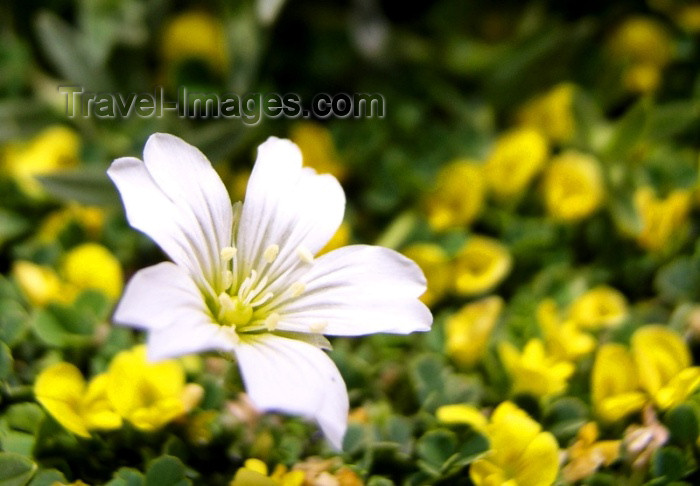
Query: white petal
[[177, 199], [158, 296], [288, 206], [164, 300], [191, 334], [356, 290], [291, 376]]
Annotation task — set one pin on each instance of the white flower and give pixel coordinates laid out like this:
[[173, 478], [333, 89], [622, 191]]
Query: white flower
[[244, 277]]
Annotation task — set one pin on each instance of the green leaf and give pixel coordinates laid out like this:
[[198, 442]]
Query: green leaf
[[86, 186], [682, 422], [25, 417], [669, 463], [15, 470], [67, 50], [166, 471], [6, 361], [380, 481], [435, 448], [11, 225], [18, 442], [126, 477], [13, 321], [63, 326], [673, 118], [679, 280], [629, 130], [48, 477]]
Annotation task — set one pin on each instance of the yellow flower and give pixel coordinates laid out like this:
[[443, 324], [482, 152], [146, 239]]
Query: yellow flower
[[61, 389], [317, 148], [457, 197], [92, 266], [587, 454], [661, 218], [480, 265], [40, 284], [551, 113], [564, 338], [533, 371], [520, 453], [195, 35], [643, 77], [641, 40], [516, 157], [91, 218], [463, 414], [688, 18], [663, 363], [468, 331], [255, 473], [340, 238], [615, 384], [643, 46], [657, 369], [573, 186], [56, 147], [149, 395], [601, 306], [435, 264]]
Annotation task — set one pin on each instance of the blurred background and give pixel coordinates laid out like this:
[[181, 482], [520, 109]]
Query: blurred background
[[539, 160]]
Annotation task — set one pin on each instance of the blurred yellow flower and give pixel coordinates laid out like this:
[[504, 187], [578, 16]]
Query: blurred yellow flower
[[468, 330], [91, 218], [688, 18], [340, 238], [564, 338], [457, 196], [661, 218], [643, 77], [92, 266], [516, 157], [62, 390], [520, 453], [615, 384], [533, 371], [657, 369], [434, 262], [318, 149], [463, 414], [601, 306], [149, 395], [643, 46], [587, 454], [195, 35], [641, 40], [480, 265], [56, 147], [255, 473], [551, 113], [573, 186], [40, 284], [664, 365]]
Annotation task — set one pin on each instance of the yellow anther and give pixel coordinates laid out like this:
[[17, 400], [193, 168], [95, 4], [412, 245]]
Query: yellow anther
[[318, 327], [272, 321], [305, 255], [227, 253], [271, 253], [297, 288]]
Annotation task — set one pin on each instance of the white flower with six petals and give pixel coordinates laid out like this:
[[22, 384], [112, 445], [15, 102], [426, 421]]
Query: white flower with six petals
[[244, 278]]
